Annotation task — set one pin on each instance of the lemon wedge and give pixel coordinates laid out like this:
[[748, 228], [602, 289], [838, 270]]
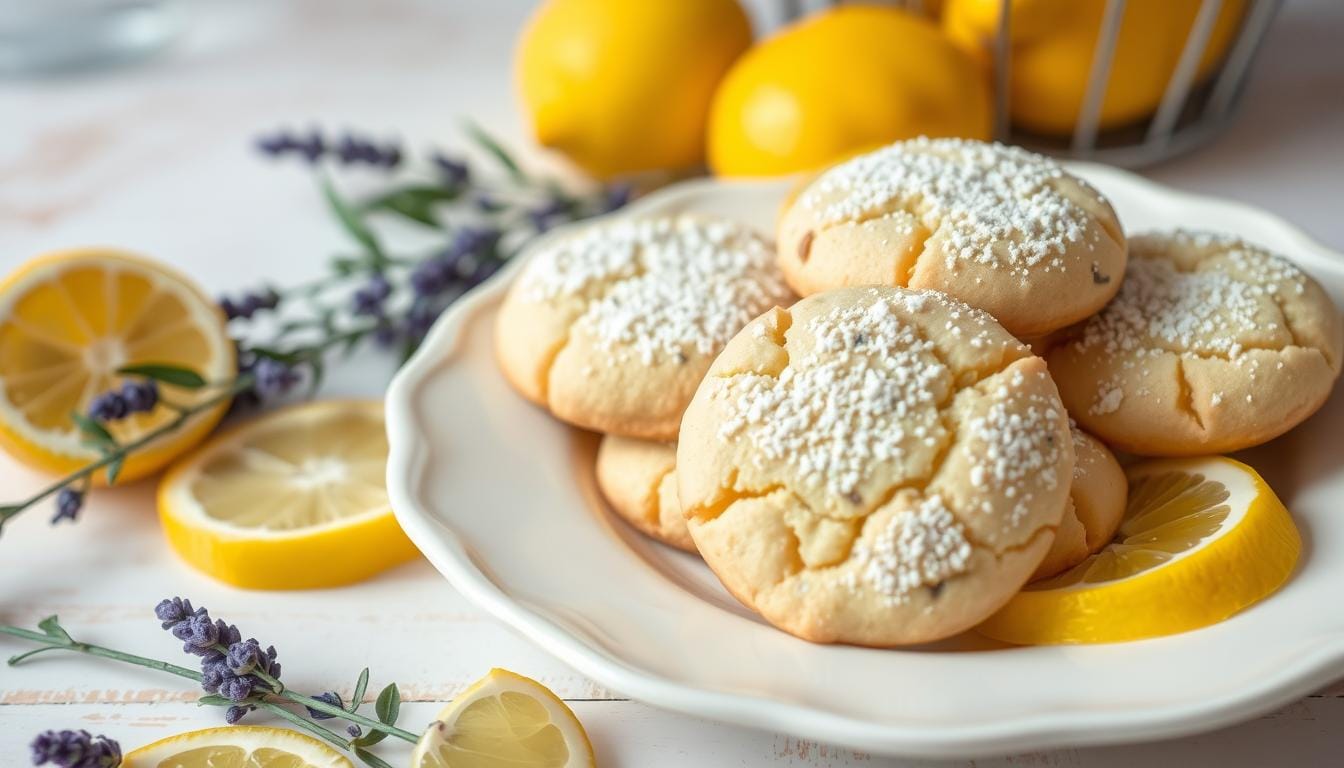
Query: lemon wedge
[[69, 321], [504, 720], [295, 499], [1201, 540], [237, 746]]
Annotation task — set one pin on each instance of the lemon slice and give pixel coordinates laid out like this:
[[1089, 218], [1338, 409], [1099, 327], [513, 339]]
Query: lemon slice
[[1201, 540], [504, 720], [295, 499], [237, 746], [69, 321]]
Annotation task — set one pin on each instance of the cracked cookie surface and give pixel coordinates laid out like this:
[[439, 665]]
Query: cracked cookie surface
[[876, 466], [998, 227], [1097, 496], [1212, 345], [639, 480], [612, 328]]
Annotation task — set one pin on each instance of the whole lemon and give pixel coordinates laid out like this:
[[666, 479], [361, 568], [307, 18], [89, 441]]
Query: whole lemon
[[622, 86], [839, 82], [1052, 43]]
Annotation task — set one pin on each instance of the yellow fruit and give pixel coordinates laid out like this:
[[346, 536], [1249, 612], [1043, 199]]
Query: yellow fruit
[[840, 82], [504, 719], [622, 86], [1201, 540], [1052, 46], [295, 499], [68, 321], [236, 746]]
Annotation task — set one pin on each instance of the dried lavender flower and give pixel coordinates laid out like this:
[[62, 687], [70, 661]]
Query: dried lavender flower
[[68, 503], [354, 730], [75, 749], [237, 712], [109, 406], [273, 378], [369, 299], [330, 697], [141, 396], [243, 658], [453, 171], [197, 633], [173, 610]]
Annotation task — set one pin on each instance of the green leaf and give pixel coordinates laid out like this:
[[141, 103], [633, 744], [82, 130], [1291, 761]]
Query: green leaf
[[371, 759], [96, 433], [371, 738], [275, 354], [19, 657], [168, 374], [350, 220], [497, 151], [415, 203], [51, 627], [114, 469], [214, 700], [388, 705], [361, 685]]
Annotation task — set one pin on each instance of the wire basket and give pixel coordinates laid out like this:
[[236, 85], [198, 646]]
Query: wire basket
[[1191, 111]]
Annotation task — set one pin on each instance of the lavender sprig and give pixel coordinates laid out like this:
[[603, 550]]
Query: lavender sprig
[[75, 749], [236, 674], [374, 295]]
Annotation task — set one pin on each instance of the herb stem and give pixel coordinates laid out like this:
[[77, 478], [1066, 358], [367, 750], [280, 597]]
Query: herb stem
[[321, 732], [87, 471], [325, 708], [58, 643]]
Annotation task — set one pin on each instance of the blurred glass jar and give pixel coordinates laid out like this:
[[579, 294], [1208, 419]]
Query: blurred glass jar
[[50, 35]]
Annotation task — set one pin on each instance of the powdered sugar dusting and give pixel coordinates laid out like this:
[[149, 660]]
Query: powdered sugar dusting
[[1017, 444], [1205, 310], [995, 205], [868, 391], [660, 288], [923, 546]]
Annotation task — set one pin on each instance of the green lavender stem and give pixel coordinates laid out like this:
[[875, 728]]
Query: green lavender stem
[[56, 642]]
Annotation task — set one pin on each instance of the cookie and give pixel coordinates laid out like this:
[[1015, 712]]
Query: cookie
[[876, 466], [639, 480], [1212, 345], [612, 327], [1096, 504], [998, 227]]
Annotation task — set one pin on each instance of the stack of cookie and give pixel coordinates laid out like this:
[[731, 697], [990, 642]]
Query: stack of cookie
[[889, 459]]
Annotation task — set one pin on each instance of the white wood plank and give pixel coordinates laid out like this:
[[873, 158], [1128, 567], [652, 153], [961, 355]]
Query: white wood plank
[[633, 735]]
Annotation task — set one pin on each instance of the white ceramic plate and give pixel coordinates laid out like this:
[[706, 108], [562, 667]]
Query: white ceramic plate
[[501, 498]]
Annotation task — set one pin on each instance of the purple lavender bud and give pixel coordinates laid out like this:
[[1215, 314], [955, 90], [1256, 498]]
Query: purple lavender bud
[[198, 634], [230, 309], [268, 299], [109, 406], [330, 697], [475, 240], [75, 749], [235, 713], [617, 195], [386, 335], [369, 299], [68, 503], [140, 396], [274, 378], [312, 148], [213, 674], [275, 145], [172, 610], [228, 634], [454, 172], [543, 216], [420, 318], [354, 730], [242, 658], [272, 666], [236, 688], [430, 278], [486, 203]]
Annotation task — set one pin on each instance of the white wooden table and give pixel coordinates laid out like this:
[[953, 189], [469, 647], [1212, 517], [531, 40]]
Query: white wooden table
[[156, 157]]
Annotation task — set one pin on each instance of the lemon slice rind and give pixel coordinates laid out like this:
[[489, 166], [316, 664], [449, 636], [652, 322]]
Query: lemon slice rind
[[248, 740]]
